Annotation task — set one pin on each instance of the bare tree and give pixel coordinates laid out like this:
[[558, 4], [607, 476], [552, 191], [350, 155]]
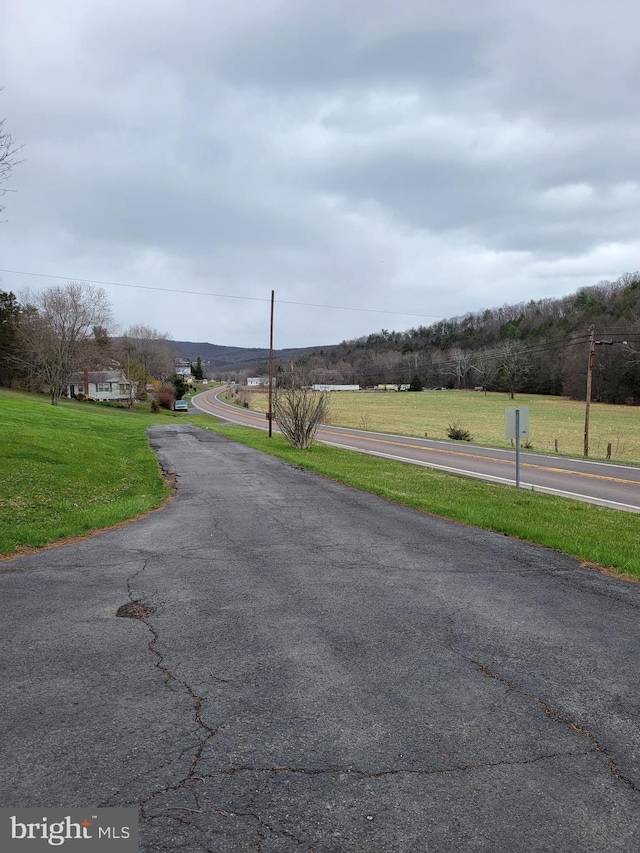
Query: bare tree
[[487, 367], [460, 363], [57, 332], [299, 412], [8, 157], [150, 349], [514, 364]]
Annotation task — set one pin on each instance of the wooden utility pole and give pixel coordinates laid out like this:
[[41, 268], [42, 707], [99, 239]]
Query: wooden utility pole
[[590, 363], [270, 413]]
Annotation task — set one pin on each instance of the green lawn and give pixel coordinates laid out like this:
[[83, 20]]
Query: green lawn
[[72, 468], [431, 412]]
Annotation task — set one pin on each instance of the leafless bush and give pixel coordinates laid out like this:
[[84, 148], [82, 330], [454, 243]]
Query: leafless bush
[[165, 399], [458, 433], [298, 413]]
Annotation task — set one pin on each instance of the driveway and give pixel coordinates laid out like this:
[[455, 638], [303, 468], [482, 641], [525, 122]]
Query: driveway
[[307, 667]]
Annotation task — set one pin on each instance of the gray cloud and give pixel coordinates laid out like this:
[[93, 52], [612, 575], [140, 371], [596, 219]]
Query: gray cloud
[[430, 158]]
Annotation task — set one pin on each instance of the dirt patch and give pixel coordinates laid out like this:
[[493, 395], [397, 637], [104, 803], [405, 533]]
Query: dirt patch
[[135, 610]]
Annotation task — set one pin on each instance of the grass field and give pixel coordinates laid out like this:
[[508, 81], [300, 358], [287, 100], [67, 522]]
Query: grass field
[[69, 469], [431, 412]]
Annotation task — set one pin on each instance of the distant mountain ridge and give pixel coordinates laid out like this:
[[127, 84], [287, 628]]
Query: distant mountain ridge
[[219, 357]]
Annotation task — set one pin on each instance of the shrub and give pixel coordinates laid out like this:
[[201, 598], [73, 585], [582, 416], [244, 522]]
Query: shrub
[[458, 433], [155, 408], [165, 399], [298, 413]]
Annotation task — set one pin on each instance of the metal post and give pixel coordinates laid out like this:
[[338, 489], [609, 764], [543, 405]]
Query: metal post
[[270, 413], [517, 448], [592, 356]]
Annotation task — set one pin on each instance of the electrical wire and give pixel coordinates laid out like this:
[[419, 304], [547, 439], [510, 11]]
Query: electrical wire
[[223, 295]]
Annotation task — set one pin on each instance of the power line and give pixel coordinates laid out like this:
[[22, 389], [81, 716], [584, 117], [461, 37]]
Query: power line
[[223, 295]]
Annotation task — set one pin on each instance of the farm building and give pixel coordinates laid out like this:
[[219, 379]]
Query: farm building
[[336, 387]]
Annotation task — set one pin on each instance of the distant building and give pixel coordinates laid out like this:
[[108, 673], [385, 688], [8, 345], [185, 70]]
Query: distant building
[[336, 387], [255, 381], [183, 367], [101, 385]]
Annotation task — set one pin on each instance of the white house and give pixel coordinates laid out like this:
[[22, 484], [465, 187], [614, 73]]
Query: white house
[[100, 385], [254, 381]]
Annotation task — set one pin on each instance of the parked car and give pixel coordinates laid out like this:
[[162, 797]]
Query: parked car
[[180, 406]]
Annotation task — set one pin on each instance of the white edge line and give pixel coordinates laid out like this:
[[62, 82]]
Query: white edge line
[[500, 480]]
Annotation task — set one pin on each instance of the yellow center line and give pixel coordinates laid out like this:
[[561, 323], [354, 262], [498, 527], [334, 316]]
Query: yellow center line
[[489, 458], [443, 450]]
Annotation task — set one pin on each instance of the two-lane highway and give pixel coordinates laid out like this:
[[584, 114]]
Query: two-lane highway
[[604, 483]]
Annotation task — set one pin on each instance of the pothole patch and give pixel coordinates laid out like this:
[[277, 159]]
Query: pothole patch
[[135, 610]]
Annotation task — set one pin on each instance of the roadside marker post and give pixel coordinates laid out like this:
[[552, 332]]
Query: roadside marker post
[[516, 426]]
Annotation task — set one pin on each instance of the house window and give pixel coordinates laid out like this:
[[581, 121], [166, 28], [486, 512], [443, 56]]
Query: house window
[[123, 390], [104, 386]]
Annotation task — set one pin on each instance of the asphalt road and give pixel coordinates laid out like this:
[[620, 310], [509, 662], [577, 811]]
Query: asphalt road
[[607, 484], [320, 670]]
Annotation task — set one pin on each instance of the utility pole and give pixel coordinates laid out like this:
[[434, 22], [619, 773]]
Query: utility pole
[[590, 363], [592, 360], [270, 412]]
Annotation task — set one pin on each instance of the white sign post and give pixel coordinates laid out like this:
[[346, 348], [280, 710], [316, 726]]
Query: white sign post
[[516, 426]]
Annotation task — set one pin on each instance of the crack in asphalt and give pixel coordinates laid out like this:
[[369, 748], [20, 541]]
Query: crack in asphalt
[[264, 824], [550, 712], [115, 798], [206, 732], [583, 731], [401, 771], [184, 820]]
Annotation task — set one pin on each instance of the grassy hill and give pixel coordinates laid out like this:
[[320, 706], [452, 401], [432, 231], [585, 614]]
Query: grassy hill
[[66, 470]]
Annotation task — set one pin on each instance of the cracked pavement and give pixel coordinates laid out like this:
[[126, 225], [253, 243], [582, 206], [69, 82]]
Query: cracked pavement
[[317, 669]]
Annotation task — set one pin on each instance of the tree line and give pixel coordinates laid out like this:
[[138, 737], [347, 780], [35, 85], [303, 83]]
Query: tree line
[[537, 347]]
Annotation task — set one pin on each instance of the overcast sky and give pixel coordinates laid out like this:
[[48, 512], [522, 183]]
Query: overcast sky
[[432, 157]]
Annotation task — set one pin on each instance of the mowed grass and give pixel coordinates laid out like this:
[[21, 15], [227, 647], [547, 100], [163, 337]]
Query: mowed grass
[[595, 535], [431, 412], [66, 470]]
